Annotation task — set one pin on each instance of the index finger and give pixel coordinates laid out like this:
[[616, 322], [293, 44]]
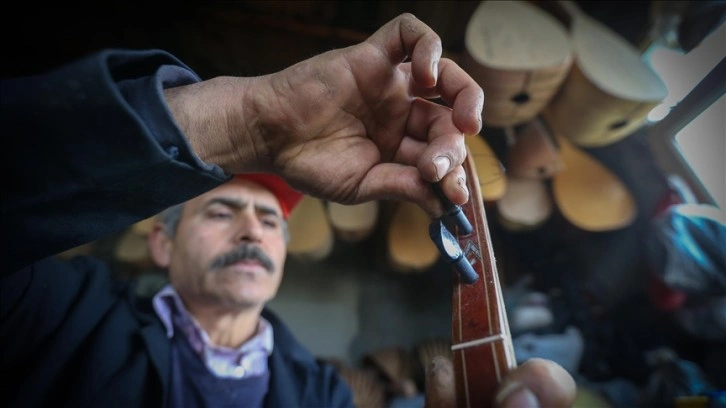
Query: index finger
[[406, 36], [462, 94], [459, 92]]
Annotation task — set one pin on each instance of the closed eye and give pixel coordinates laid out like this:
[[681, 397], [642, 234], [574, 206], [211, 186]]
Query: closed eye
[[270, 222], [219, 215]]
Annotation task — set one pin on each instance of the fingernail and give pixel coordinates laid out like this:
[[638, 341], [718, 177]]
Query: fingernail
[[462, 184], [435, 70], [516, 395], [442, 164]]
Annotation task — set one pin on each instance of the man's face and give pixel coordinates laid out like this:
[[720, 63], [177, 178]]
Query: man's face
[[229, 248]]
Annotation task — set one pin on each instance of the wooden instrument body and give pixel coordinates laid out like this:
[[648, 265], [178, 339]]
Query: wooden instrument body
[[526, 205], [587, 193], [609, 91], [532, 158], [519, 55], [488, 169], [592, 117], [353, 223], [311, 236], [533, 153], [408, 247], [515, 96]]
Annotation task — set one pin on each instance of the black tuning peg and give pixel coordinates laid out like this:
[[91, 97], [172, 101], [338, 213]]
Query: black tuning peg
[[450, 249]]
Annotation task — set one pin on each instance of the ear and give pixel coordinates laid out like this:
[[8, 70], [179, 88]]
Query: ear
[[160, 245]]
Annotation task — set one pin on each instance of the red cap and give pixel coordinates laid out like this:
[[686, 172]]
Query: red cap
[[286, 195]]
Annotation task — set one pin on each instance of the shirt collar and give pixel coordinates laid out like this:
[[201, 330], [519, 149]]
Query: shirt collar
[[170, 309]]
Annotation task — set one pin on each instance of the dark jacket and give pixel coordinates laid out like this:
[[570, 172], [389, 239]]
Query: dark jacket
[[95, 151], [72, 336]]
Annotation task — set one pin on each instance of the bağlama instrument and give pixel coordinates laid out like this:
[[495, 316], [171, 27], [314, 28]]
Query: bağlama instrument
[[481, 343]]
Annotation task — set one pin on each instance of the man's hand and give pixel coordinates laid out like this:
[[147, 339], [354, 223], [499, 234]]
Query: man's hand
[[536, 383], [349, 125], [357, 124]]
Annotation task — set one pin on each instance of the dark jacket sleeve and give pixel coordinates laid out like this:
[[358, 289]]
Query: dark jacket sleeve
[[91, 148]]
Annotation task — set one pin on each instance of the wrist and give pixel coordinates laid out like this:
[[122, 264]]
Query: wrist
[[216, 117]]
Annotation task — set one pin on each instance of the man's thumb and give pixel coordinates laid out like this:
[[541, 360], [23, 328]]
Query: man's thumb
[[440, 385]]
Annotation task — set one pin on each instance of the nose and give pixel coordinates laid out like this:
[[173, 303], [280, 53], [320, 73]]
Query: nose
[[249, 229]]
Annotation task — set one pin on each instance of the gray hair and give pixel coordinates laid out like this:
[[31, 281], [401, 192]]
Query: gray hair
[[171, 216]]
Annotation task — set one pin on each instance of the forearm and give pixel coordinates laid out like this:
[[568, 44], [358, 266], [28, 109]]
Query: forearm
[[94, 150]]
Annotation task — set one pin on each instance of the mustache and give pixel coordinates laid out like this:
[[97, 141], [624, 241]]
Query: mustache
[[242, 253]]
